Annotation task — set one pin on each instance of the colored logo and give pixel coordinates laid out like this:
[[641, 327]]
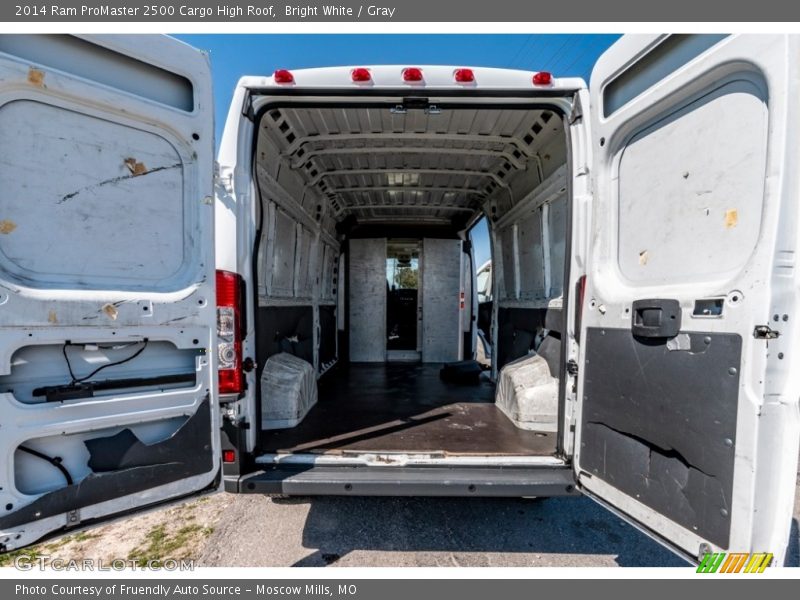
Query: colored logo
[[723, 562]]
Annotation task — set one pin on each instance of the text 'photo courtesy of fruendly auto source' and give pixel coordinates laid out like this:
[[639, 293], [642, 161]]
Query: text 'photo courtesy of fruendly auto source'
[[293, 286]]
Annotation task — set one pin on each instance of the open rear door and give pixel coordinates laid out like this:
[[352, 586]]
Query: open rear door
[[688, 414], [107, 307]]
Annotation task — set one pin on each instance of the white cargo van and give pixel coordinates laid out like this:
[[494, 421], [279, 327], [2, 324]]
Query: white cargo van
[[641, 321]]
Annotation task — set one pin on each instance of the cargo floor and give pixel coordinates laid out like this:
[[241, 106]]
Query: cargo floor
[[403, 407]]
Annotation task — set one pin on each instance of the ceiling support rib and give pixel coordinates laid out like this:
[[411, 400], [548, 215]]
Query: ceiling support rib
[[413, 206], [507, 156], [299, 142], [401, 171], [405, 188]]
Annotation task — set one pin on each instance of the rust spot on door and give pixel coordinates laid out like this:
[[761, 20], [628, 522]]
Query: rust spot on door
[[7, 226], [36, 77], [135, 167], [731, 218], [111, 311], [52, 317]]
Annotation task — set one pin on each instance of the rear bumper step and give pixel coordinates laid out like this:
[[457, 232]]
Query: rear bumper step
[[407, 481]]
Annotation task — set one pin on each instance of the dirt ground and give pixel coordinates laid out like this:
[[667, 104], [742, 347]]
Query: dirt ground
[[177, 532]]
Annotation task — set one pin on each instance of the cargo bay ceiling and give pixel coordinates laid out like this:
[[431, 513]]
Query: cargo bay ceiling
[[387, 164]]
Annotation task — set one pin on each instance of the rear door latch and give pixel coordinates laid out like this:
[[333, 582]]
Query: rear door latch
[[763, 332], [572, 368]]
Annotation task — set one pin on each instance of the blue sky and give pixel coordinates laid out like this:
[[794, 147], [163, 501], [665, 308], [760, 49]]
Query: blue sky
[[235, 55]]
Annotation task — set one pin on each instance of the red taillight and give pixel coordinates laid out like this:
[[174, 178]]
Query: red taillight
[[412, 74], [283, 76], [228, 456], [360, 75], [464, 76], [229, 336], [543, 78]]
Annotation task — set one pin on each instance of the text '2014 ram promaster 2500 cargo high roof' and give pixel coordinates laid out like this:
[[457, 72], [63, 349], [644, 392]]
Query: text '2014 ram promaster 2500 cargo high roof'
[[634, 343]]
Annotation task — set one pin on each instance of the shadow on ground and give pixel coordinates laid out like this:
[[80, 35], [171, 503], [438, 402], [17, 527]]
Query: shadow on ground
[[793, 553], [473, 527]]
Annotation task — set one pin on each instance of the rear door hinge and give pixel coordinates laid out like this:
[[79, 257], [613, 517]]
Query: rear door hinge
[[73, 518], [248, 112], [576, 112], [764, 332]]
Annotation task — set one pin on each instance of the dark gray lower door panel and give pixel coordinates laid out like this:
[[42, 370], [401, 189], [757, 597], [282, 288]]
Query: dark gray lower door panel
[[122, 464], [408, 481], [659, 422]]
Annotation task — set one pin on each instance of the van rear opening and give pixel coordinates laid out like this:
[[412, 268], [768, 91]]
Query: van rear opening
[[365, 270]]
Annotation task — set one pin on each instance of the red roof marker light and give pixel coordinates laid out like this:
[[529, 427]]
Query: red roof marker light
[[412, 74], [283, 76], [464, 76], [543, 78], [360, 75]]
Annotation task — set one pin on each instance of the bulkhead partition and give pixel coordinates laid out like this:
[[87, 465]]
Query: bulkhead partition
[[367, 300], [440, 296]]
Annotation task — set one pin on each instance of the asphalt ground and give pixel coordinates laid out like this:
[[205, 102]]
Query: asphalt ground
[[472, 532]]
